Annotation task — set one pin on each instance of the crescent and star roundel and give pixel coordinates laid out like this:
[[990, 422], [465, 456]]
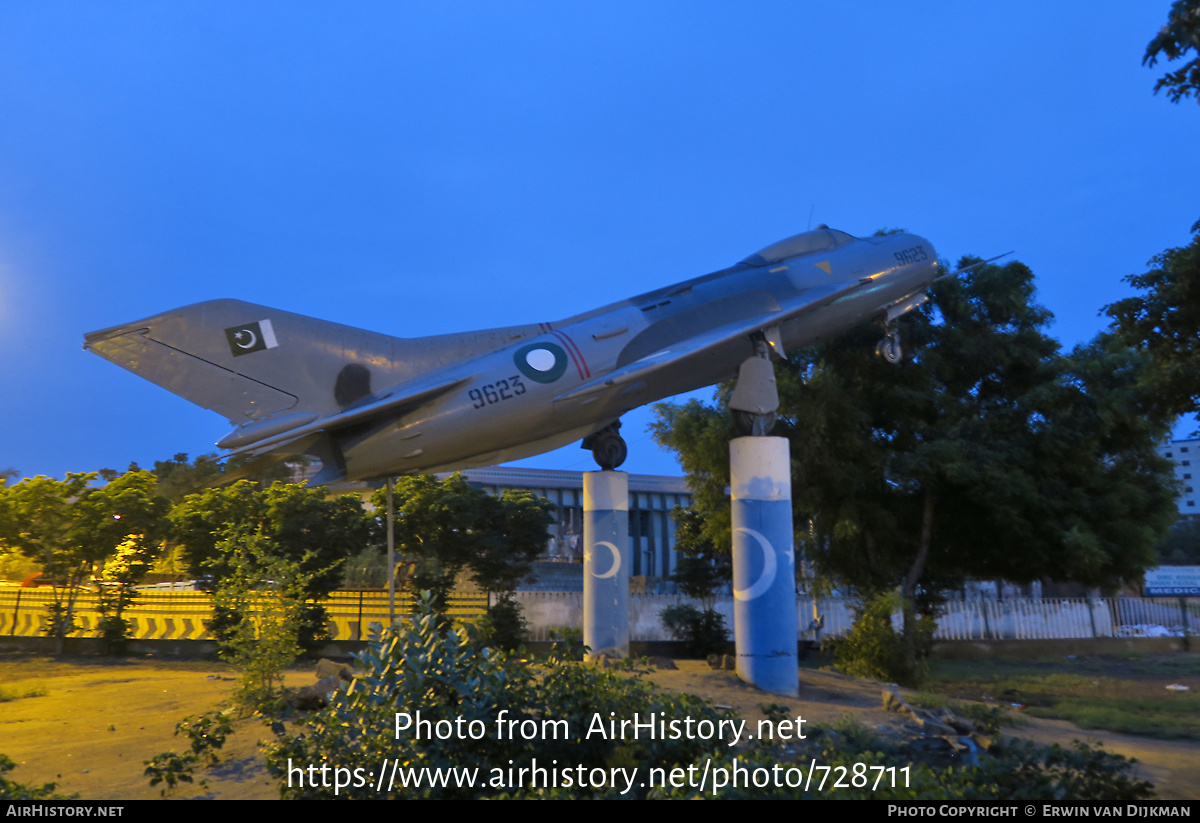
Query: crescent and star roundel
[[541, 362]]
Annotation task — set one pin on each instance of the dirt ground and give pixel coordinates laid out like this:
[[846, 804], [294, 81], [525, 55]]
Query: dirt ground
[[99, 720]]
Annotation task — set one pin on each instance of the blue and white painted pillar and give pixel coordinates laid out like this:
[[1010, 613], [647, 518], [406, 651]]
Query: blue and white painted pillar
[[606, 562], [764, 566]]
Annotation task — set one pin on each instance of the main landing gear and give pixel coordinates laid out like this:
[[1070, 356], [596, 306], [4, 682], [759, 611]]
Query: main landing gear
[[754, 403], [608, 447]]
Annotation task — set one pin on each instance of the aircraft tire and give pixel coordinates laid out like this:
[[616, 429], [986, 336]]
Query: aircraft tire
[[750, 424], [609, 450], [889, 349]]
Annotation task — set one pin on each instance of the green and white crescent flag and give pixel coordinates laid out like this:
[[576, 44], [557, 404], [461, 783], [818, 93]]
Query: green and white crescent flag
[[251, 337]]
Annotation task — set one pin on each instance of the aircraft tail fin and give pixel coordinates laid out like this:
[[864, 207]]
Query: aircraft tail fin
[[250, 362], [270, 371]]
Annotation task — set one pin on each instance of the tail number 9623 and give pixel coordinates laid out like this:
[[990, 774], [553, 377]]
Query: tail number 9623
[[914, 255]]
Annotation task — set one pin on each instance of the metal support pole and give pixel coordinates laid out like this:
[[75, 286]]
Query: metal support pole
[[16, 613], [391, 547], [1183, 612], [764, 573], [358, 634], [606, 561]]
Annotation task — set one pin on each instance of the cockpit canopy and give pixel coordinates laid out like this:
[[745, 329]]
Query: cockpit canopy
[[809, 242]]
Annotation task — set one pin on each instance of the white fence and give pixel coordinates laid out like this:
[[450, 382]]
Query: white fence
[[181, 615], [1014, 619]]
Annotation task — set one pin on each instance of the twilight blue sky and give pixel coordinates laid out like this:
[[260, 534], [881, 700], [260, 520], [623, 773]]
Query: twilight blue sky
[[426, 168]]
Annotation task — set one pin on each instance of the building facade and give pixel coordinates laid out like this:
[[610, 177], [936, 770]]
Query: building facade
[[1185, 454], [651, 501]]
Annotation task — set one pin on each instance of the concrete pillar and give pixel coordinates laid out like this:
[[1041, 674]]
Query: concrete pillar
[[606, 562], [764, 573]]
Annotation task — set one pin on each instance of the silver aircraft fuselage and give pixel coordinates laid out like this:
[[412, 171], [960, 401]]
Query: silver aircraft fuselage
[[370, 406]]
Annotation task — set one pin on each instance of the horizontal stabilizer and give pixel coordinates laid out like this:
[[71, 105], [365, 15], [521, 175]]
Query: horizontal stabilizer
[[395, 403]]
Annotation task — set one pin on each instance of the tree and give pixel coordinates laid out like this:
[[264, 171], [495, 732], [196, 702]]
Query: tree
[[512, 532], [434, 531], [268, 593], [179, 477], [1179, 36], [303, 526], [444, 528], [72, 528], [1164, 321], [984, 454], [702, 568], [1182, 546], [699, 572]]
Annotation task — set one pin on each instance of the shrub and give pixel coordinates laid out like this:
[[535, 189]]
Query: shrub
[[206, 733], [170, 768], [702, 632], [874, 649], [1011, 771], [568, 643], [262, 626], [446, 674], [504, 626], [10, 790]]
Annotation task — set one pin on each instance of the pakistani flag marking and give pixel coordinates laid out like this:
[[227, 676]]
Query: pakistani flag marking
[[251, 337]]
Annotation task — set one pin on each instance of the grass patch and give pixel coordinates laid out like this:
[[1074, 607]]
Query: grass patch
[[7, 695], [1124, 694]]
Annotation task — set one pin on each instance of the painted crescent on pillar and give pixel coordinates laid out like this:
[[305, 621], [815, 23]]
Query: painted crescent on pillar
[[616, 566], [767, 577]]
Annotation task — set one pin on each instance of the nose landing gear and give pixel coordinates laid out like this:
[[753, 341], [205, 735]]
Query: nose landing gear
[[889, 347]]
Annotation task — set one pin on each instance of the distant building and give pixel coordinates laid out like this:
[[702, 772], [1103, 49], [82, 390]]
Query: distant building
[[651, 501], [1185, 454]]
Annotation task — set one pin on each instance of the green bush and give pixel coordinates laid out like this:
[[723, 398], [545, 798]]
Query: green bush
[[567, 643], [702, 632], [10, 790], [260, 605], [504, 627], [170, 768], [874, 649], [206, 734], [446, 674], [1011, 771]]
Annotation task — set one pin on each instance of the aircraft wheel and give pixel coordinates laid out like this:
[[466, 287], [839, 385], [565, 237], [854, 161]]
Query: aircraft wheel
[[889, 349], [749, 424], [609, 450]]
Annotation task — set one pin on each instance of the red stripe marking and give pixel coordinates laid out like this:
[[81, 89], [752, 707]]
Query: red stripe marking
[[570, 352], [576, 354]]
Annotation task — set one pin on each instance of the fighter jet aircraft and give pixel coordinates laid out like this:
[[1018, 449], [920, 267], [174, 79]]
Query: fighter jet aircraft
[[370, 406]]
